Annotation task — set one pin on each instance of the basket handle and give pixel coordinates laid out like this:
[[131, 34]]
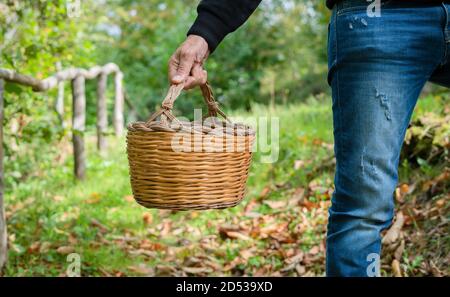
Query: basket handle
[[174, 92]]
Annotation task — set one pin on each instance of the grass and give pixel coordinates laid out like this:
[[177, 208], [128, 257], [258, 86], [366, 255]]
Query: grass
[[50, 214]]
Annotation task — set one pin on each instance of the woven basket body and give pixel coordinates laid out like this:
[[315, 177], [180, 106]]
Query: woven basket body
[[182, 166]]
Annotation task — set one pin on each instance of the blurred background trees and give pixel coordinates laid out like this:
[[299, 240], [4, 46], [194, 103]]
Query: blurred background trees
[[278, 56], [279, 53]]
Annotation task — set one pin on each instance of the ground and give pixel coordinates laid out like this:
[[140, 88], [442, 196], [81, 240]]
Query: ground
[[279, 228]]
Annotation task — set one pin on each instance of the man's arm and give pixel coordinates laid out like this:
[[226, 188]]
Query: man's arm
[[216, 18]]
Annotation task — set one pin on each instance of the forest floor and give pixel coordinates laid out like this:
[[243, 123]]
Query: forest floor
[[278, 230]]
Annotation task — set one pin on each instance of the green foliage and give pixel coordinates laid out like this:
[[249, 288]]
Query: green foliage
[[279, 53], [140, 36], [34, 36], [279, 56], [428, 137]]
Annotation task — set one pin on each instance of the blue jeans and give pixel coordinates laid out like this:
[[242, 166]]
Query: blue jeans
[[377, 69]]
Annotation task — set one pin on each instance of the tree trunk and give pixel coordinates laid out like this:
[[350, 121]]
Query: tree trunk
[[78, 126], [118, 104], [102, 120], [3, 234]]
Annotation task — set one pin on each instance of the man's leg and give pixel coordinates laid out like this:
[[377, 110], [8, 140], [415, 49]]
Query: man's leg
[[378, 66]]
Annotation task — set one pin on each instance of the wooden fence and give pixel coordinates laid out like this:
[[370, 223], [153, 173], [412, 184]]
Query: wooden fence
[[77, 76]]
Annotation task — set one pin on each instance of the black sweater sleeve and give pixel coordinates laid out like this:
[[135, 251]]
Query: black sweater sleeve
[[217, 18]]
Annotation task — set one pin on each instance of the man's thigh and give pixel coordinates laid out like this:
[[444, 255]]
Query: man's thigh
[[378, 67]]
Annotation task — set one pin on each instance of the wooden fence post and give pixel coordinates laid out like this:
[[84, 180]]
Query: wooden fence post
[[3, 233], [118, 104], [59, 106], [102, 120], [78, 126], [77, 76]]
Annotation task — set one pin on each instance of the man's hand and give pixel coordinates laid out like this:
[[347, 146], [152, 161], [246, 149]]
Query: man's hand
[[186, 64]]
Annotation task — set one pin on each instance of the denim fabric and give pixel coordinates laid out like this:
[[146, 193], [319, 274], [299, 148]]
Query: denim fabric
[[377, 69]]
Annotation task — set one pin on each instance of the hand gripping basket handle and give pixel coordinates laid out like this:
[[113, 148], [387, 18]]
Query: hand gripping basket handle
[[174, 92]]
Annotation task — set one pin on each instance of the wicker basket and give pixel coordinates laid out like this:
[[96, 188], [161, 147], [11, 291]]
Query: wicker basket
[[188, 165]]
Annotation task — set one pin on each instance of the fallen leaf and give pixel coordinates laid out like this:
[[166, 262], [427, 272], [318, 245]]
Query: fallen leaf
[[399, 196], [34, 247], [250, 206], [300, 269], [64, 250], [275, 274], [298, 164], [141, 252], [289, 267], [297, 196], [147, 218], [441, 203], [295, 259], [264, 193], [260, 272], [58, 198], [393, 233], [72, 239], [237, 235], [177, 231], [146, 244], [153, 246], [435, 270], [215, 266], [399, 251], [267, 230], [164, 213], [404, 188], [142, 269], [129, 198], [237, 261], [94, 198], [317, 141], [165, 227], [223, 229], [247, 254], [194, 214], [197, 270], [164, 270], [314, 250], [309, 204], [396, 270], [45, 247], [275, 204], [99, 225], [282, 237]]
